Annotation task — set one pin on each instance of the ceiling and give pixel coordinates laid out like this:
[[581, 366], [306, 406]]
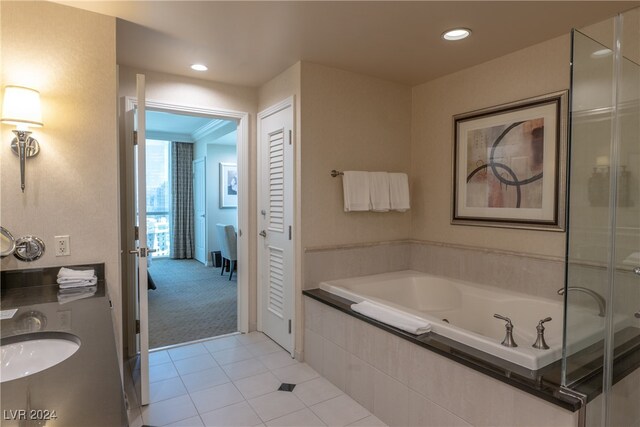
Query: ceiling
[[181, 127], [248, 43]]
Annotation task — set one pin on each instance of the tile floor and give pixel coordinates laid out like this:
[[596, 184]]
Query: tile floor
[[234, 381]]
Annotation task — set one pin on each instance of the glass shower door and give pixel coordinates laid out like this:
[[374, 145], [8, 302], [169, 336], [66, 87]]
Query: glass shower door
[[602, 327]]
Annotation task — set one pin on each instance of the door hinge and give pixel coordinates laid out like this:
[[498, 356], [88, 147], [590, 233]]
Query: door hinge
[[135, 137], [289, 232], [137, 326], [289, 325], [136, 233], [290, 137]]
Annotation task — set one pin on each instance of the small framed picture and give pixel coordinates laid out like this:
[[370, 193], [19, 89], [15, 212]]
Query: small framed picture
[[510, 165], [228, 185]]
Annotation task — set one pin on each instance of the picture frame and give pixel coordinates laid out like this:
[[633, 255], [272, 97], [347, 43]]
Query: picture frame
[[228, 185], [509, 165]]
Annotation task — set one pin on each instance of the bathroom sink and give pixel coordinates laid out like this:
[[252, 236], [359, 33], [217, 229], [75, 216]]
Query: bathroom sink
[[27, 354]]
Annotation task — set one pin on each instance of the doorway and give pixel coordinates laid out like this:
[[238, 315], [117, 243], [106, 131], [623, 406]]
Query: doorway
[[190, 297]]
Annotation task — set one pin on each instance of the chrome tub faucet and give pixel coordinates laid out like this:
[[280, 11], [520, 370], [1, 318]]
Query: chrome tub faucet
[[602, 303]]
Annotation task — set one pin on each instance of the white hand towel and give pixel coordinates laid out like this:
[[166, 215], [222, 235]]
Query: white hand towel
[[379, 191], [406, 322], [355, 185], [399, 191], [76, 274], [77, 283]]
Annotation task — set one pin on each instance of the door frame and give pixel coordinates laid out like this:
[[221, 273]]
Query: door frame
[[286, 103], [206, 211], [244, 173]]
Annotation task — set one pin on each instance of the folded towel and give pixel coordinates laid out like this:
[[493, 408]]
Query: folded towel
[[379, 191], [399, 191], [68, 295], [355, 185], [633, 259], [77, 283], [397, 319], [76, 274]]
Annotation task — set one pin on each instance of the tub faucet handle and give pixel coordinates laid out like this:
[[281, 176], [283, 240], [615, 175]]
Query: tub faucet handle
[[508, 339], [540, 343]]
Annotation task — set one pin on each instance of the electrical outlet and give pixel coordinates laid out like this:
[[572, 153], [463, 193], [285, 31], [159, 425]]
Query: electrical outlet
[[62, 246]]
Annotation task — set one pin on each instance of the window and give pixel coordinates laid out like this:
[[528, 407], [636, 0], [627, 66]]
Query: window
[[158, 197]]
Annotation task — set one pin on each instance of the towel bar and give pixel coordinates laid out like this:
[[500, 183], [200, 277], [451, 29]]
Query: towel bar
[[335, 173]]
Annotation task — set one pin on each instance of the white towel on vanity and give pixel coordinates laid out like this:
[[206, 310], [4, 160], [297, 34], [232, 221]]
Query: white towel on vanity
[[355, 185], [406, 322], [399, 191], [379, 191], [68, 273], [68, 278]]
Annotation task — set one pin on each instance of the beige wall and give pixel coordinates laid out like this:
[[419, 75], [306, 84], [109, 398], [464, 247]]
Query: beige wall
[[537, 70], [69, 55], [350, 122], [200, 93]]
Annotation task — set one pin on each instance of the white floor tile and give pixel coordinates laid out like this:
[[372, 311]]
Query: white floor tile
[[316, 390], [189, 422], [295, 374], [257, 385], [263, 347], [166, 389], [232, 355], [238, 414], [304, 417], [162, 372], [205, 379], [244, 369], [339, 411], [251, 337], [159, 357], [195, 364], [276, 404], [277, 360], [186, 351], [168, 411], [369, 421], [221, 344], [216, 397]]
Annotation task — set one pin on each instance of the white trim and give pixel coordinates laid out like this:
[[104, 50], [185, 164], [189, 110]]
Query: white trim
[[244, 176], [282, 105], [211, 128]]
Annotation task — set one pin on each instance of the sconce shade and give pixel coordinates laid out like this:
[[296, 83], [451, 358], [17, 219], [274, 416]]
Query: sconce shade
[[21, 107]]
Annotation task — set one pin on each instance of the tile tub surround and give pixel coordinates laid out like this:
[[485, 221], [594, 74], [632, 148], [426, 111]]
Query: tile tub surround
[[405, 384], [531, 274], [351, 356]]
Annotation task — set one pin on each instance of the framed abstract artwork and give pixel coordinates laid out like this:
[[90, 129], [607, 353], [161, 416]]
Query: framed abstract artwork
[[510, 165], [228, 185]]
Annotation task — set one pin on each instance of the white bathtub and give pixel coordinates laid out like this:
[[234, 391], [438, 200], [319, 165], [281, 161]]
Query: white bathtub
[[469, 310]]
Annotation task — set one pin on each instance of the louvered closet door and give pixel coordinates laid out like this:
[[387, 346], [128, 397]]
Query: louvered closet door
[[275, 222]]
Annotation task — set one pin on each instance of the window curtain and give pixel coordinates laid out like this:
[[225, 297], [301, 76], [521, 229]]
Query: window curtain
[[182, 236]]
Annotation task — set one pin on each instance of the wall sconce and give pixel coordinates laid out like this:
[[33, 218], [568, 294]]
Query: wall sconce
[[21, 107]]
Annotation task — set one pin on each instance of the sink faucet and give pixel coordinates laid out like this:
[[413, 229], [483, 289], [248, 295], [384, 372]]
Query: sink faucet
[[602, 303]]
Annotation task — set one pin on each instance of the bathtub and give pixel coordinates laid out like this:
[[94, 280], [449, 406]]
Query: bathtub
[[463, 311]]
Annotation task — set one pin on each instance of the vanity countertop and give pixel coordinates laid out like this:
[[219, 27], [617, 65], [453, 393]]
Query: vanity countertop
[[83, 390]]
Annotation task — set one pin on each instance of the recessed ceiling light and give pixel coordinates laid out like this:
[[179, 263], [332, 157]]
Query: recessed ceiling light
[[199, 67], [456, 34], [601, 53]]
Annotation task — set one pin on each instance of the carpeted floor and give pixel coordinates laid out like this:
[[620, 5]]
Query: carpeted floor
[[191, 302]]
